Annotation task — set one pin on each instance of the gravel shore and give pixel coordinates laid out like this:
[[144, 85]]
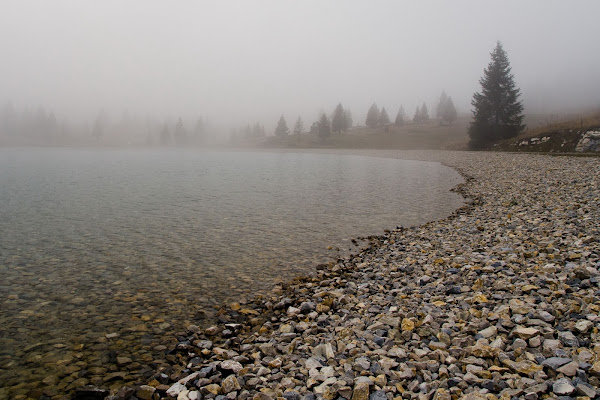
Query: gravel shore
[[499, 300]]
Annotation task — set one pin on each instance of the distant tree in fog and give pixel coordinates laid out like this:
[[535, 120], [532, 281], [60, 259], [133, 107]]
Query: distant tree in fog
[[449, 114], [314, 128], [258, 130], [417, 117], [8, 121], [498, 112], [282, 128], [100, 125], [199, 130], [424, 112], [180, 134], [372, 120], [400, 116], [384, 119], [324, 126], [347, 119], [441, 106], [165, 136], [299, 126], [338, 122]]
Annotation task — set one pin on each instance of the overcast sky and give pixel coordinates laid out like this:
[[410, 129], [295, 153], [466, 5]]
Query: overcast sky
[[243, 61]]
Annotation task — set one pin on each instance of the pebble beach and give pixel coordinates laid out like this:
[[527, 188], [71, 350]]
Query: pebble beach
[[499, 300]]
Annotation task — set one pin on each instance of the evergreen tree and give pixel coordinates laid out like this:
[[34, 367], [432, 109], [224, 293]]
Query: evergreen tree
[[498, 112], [100, 125], [337, 119], [347, 119], [180, 135], [258, 130], [417, 117], [372, 117], [199, 130], [449, 113], [424, 113], [8, 123], [299, 126], [314, 128], [400, 116], [282, 128], [165, 136], [439, 110], [324, 126], [384, 119]]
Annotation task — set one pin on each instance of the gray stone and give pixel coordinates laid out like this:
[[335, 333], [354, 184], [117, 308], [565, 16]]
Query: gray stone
[[563, 387], [555, 362], [568, 339], [378, 395]]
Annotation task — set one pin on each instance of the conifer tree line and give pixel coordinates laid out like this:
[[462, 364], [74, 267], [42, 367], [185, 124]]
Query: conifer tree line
[[497, 115], [41, 127]]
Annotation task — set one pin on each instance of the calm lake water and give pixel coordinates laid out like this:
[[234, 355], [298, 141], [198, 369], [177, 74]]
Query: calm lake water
[[105, 252]]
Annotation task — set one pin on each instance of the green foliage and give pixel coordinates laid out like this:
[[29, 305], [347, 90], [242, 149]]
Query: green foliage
[[347, 119], [421, 114], [400, 117], [384, 119], [180, 134], [424, 112], [372, 120], [165, 135], [282, 128], [449, 114], [299, 126], [338, 123], [498, 112], [324, 127], [439, 110]]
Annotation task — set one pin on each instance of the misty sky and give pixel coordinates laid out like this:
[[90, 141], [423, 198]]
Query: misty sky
[[246, 61]]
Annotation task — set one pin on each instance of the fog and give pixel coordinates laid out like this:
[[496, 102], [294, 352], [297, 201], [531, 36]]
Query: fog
[[239, 62]]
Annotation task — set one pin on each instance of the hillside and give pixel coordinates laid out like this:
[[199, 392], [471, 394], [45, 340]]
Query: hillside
[[428, 135], [574, 134]]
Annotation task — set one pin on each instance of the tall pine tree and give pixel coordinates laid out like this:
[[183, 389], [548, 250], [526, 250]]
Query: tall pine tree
[[282, 128], [372, 120], [384, 119], [400, 116], [449, 111], [337, 119], [441, 106], [424, 112], [324, 126], [299, 126], [498, 112]]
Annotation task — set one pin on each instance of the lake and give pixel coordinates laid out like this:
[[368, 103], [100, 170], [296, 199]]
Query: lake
[[105, 253]]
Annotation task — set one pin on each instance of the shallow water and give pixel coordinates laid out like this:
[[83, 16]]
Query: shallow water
[[103, 253]]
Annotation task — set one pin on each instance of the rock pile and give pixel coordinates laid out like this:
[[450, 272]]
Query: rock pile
[[500, 300]]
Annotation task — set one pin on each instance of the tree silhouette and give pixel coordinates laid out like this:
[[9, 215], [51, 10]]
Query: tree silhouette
[[347, 119], [424, 113], [441, 106], [498, 112], [400, 116], [337, 119], [282, 128], [449, 112], [372, 120], [180, 134], [384, 119], [165, 135], [299, 126], [417, 117], [324, 126]]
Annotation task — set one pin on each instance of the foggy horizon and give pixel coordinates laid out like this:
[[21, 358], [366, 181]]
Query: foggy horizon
[[234, 63]]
